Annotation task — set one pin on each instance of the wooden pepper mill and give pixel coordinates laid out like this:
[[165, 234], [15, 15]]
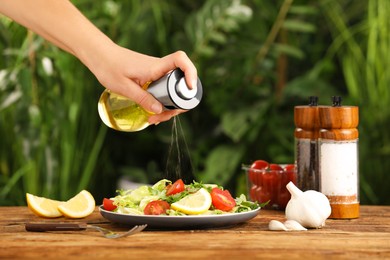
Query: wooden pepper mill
[[338, 163], [306, 119]]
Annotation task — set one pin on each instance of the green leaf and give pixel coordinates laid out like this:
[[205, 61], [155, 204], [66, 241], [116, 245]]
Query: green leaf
[[228, 25], [10, 99], [289, 50], [299, 26], [218, 37], [236, 123], [303, 10], [206, 51], [221, 164]]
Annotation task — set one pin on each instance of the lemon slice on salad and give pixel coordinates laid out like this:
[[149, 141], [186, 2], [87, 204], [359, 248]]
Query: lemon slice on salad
[[193, 204], [80, 206], [43, 207]]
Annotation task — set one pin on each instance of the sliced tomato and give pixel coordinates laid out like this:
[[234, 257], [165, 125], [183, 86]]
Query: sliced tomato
[[222, 199], [156, 207], [108, 204], [176, 187]]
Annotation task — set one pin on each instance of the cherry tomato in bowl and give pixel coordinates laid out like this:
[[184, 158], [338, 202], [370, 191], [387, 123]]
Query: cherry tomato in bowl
[[267, 182], [260, 165], [253, 192], [263, 196], [283, 198], [256, 171], [271, 186], [289, 167]]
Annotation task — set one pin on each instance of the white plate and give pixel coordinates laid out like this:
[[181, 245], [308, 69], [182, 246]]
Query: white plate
[[183, 222]]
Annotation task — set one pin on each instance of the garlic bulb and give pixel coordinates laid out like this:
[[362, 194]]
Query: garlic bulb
[[310, 208]]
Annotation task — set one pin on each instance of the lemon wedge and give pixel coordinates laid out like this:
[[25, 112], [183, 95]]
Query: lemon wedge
[[80, 206], [193, 204], [43, 207]]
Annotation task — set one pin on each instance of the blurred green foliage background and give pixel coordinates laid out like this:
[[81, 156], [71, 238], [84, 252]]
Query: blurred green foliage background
[[257, 59]]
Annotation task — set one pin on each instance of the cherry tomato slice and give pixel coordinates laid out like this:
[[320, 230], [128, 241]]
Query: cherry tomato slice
[[222, 199], [156, 207], [108, 204], [176, 187]]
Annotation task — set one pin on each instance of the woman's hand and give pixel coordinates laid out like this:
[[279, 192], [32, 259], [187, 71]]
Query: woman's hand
[[125, 72], [119, 69]]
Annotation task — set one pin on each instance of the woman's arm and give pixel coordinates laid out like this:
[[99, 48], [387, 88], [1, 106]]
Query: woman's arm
[[118, 69]]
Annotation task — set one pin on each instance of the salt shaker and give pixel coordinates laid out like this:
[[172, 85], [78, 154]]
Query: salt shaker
[[338, 163], [306, 135]]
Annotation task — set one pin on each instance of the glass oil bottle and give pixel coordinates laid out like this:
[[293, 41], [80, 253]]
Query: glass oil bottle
[[123, 114]]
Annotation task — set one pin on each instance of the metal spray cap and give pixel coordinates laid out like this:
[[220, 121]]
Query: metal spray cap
[[173, 92]]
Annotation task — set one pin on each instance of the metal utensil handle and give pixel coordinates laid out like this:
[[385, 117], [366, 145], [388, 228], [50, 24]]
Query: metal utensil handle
[[42, 227]]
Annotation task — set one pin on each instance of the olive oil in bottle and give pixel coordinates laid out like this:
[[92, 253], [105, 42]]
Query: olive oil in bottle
[[123, 114]]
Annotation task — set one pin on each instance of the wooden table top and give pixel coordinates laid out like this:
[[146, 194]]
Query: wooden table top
[[366, 237]]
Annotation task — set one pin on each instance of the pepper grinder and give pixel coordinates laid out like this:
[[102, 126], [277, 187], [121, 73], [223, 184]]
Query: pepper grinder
[[338, 162], [306, 135]]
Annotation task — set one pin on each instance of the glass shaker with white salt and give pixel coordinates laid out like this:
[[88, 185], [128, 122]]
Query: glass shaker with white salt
[[338, 163]]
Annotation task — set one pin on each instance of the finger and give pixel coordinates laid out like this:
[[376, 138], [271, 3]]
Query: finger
[[134, 92], [180, 60], [146, 100], [164, 116]]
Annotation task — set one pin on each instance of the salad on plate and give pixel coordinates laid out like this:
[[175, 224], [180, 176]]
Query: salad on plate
[[178, 199]]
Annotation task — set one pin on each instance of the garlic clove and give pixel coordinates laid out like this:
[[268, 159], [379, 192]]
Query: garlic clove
[[289, 225], [294, 225], [275, 225]]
